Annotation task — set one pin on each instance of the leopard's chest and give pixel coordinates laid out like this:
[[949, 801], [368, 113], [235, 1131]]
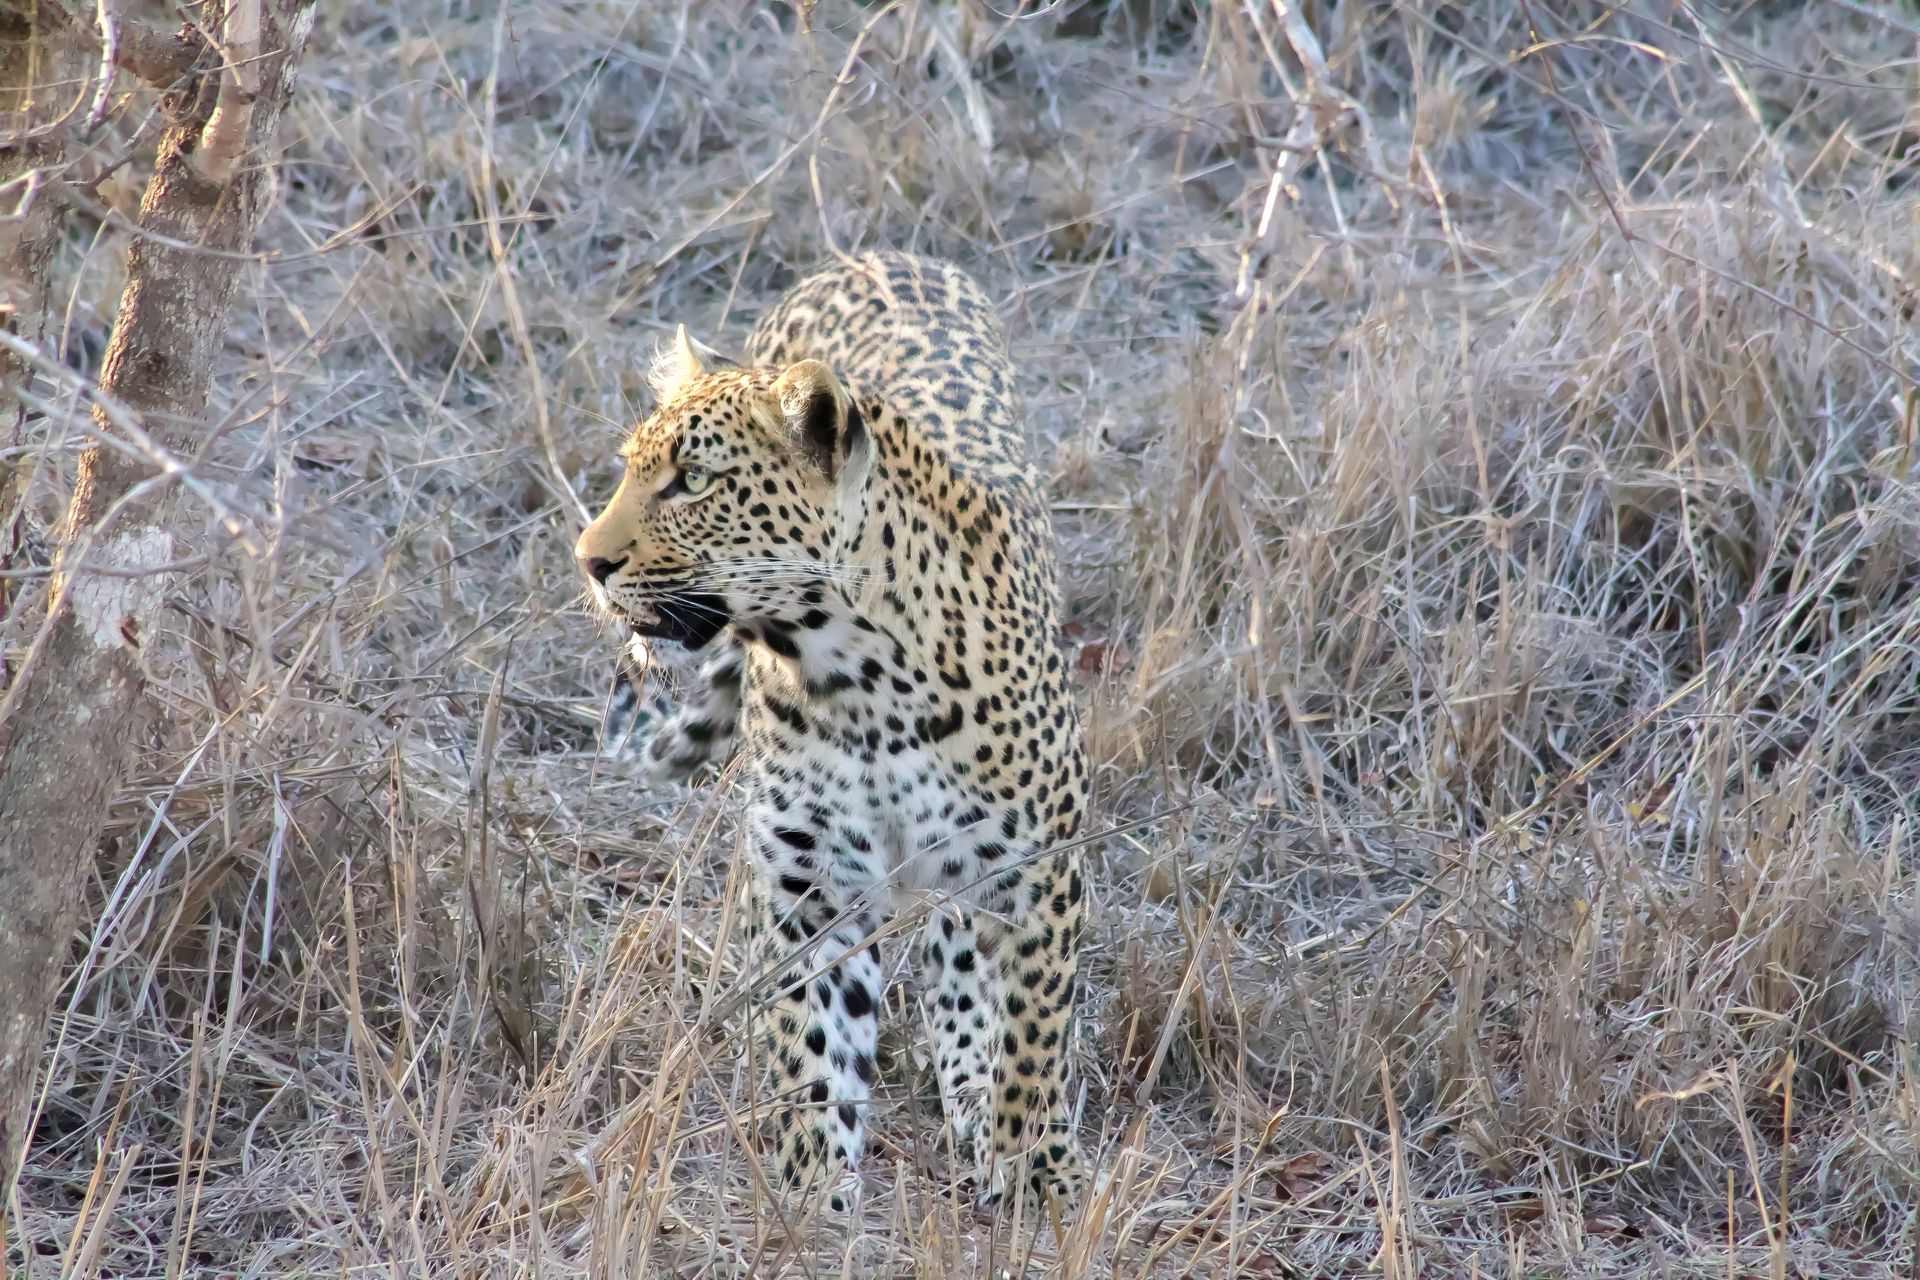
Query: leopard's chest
[[897, 807]]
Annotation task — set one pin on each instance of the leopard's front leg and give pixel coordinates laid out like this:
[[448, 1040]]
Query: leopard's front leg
[[818, 989], [669, 745]]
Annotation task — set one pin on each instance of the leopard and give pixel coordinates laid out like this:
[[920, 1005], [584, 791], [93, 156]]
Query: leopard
[[845, 532], [661, 742]]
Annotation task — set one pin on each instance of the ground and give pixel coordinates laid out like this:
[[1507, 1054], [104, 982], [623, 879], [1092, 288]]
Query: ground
[[1485, 469]]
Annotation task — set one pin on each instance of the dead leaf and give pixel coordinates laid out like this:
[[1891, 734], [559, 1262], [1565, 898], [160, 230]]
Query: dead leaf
[[331, 452], [1528, 1210], [1302, 1174], [1162, 883], [1101, 656]]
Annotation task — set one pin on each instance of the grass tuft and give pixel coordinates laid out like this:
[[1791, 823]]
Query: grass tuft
[[1483, 441]]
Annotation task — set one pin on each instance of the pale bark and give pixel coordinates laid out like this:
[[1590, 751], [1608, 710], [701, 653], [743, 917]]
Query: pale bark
[[69, 730]]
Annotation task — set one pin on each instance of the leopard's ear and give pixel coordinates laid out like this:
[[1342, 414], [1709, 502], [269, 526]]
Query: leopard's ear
[[682, 362], [817, 413]]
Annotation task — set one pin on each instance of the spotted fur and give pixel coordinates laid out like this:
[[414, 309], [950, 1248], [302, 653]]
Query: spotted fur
[[849, 521], [664, 743]]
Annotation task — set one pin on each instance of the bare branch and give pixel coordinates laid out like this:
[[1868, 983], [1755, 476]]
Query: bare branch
[[224, 140], [160, 59]]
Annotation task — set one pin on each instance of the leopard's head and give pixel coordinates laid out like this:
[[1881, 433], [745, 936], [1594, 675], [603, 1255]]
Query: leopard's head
[[726, 513]]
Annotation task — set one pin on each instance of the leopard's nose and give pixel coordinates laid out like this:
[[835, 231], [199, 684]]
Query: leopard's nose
[[598, 567]]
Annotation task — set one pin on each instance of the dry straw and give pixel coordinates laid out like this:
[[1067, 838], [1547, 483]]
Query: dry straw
[[1483, 446]]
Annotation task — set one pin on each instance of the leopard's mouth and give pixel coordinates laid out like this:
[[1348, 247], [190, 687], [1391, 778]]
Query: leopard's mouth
[[687, 618]]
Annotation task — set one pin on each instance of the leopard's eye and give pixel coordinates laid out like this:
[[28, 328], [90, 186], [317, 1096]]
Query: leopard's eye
[[696, 481]]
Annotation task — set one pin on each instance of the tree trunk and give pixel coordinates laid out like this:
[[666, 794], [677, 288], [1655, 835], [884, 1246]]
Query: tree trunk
[[70, 727], [32, 58]]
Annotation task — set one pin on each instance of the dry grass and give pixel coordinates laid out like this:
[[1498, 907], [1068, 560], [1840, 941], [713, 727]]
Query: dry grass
[[1495, 568]]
